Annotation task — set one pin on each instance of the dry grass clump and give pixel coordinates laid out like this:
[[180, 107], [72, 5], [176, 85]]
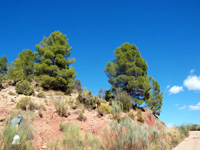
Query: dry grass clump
[[128, 134], [61, 108], [75, 139]]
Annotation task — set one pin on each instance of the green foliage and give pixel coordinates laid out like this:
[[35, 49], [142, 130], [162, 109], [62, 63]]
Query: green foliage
[[104, 108], [155, 98], [194, 127], [22, 67], [125, 99], [131, 115], [3, 65], [184, 129], [128, 71], [90, 101], [109, 96], [41, 95], [115, 110], [3, 69], [53, 69], [24, 87], [139, 116], [61, 108]]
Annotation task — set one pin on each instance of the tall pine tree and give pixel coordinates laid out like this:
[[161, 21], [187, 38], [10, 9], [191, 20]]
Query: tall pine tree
[[128, 71], [53, 69]]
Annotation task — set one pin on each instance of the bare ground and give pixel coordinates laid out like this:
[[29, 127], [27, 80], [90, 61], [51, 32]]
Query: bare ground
[[190, 143]]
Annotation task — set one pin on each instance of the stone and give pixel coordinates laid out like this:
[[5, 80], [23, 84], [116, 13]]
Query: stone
[[16, 121], [16, 140]]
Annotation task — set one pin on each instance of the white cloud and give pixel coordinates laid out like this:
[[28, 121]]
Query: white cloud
[[182, 108], [192, 71], [175, 89], [192, 83], [195, 107], [176, 105], [168, 86]]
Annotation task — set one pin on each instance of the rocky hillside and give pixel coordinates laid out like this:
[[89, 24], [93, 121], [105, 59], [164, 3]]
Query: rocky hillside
[[46, 122]]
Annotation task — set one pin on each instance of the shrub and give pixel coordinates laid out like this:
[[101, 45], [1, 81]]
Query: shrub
[[90, 101], [184, 129], [128, 134], [61, 108], [131, 115], [109, 96], [194, 127], [24, 87], [11, 93], [139, 116], [115, 110], [74, 106], [81, 117], [26, 103], [104, 108], [41, 95], [63, 126], [40, 113], [125, 99]]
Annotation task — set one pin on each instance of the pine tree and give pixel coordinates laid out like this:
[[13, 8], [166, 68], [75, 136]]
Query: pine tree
[[3, 65], [155, 99], [22, 67], [53, 69], [128, 71]]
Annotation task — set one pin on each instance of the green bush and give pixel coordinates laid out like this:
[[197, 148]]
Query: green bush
[[24, 87], [41, 95], [184, 129], [194, 127], [109, 96], [125, 99], [81, 117], [90, 101], [139, 115], [104, 108], [131, 115]]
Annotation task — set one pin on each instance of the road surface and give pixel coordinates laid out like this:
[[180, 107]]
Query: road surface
[[190, 143]]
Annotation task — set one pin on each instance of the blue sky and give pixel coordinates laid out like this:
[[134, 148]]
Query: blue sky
[[166, 32]]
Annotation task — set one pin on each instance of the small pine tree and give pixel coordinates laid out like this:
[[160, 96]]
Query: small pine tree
[[22, 67], [155, 99], [3, 69]]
